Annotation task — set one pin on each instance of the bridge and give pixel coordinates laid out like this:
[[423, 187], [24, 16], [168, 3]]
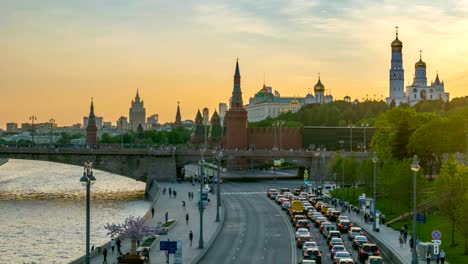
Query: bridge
[[161, 164]]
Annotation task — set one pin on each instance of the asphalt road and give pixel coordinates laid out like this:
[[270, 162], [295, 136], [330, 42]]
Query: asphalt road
[[255, 229]]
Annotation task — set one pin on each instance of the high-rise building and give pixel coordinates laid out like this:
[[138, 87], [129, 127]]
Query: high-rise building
[[12, 127], [122, 123], [152, 121], [91, 128], [235, 121], [137, 113]]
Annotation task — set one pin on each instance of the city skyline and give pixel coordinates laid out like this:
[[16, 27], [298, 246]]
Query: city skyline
[[173, 52]]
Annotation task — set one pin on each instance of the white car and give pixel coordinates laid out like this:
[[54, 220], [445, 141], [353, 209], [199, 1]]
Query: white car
[[302, 231], [309, 245]]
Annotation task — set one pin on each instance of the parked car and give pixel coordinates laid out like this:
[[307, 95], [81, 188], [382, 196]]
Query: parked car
[[368, 250]]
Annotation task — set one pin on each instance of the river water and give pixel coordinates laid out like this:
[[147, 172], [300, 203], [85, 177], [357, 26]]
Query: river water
[[43, 210]]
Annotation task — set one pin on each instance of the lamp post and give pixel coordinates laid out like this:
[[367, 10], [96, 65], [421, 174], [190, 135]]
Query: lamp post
[[342, 176], [202, 179], [274, 125], [351, 138], [415, 168], [51, 121], [218, 189], [121, 132], [374, 160], [87, 180], [32, 118], [317, 161], [365, 125]]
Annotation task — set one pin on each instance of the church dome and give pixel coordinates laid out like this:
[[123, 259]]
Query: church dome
[[309, 96], [397, 43], [420, 63], [294, 101], [319, 86]]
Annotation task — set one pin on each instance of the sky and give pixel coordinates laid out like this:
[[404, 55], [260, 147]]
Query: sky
[[55, 55]]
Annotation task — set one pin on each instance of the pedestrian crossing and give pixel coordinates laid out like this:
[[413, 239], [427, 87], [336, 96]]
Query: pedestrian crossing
[[242, 193]]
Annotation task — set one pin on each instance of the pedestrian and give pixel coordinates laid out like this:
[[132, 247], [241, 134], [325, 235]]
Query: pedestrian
[[191, 237], [405, 234], [188, 195], [174, 193], [152, 212], [411, 243], [383, 218], [113, 244], [428, 257], [164, 191], [170, 190], [442, 257], [104, 253], [183, 204], [438, 258], [92, 248], [166, 215], [365, 218], [138, 243], [170, 193], [401, 240], [349, 209], [119, 244], [186, 218]]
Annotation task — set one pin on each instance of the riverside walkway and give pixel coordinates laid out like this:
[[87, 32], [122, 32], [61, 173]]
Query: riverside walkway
[[181, 230]]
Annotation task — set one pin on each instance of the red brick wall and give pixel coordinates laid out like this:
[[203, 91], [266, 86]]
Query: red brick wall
[[235, 129], [264, 137]]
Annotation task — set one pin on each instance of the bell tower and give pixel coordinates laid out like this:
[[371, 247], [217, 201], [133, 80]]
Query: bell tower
[[397, 73]]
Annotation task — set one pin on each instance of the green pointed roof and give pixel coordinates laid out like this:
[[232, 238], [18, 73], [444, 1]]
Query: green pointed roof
[[237, 73]]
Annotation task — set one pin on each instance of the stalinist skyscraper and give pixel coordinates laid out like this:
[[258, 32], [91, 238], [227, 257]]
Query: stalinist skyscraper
[[137, 113]]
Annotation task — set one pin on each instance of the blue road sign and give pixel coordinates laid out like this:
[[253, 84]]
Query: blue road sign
[[170, 246], [436, 235], [421, 217]]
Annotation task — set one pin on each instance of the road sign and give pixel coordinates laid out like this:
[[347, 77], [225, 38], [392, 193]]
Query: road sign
[[170, 246], [421, 217], [436, 249], [276, 163], [436, 235]]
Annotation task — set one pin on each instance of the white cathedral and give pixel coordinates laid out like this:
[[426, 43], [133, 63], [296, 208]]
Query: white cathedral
[[419, 90]]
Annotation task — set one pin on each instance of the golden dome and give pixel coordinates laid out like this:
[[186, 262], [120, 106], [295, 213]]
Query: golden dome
[[420, 63], [397, 43], [294, 101], [319, 86]]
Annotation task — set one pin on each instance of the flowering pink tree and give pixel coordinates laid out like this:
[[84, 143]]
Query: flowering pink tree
[[133, 228]]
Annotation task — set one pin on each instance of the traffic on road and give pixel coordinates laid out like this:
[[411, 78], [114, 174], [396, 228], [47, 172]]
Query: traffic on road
[[324, 234]]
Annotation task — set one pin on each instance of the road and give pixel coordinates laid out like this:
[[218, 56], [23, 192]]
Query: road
[[255, 229]]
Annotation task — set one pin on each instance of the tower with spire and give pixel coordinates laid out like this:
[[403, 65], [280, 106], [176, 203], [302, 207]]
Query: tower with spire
[[91, 128], [319, 90], [137, 113], [178, 118], [235, 121], [397, 73]]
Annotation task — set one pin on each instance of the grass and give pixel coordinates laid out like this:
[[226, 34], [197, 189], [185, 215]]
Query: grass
[[168, 223], [148, 242]]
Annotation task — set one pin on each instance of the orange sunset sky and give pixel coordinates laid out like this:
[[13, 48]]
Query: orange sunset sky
[[55, 55]]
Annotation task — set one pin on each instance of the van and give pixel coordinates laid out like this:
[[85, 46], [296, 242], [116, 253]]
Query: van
[[327, 229]]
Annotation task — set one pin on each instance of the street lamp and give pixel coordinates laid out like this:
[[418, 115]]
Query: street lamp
[[32, 118], [415, 168], [374, 160], [87, 180], [351, 138], [218, 189], [365, 125], [51, 121], [342, 176], [317, 161]]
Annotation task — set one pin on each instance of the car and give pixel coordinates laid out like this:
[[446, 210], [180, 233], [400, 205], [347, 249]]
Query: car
[[336, 248], [273, 195], [335, 241], [308, 261], [346, 261], [344, 226], [354, 231], [327, 229], [285, 206], [295, 218], [302, 224], [302, 239], [313, 254], [332, 234], [284, 190], [341, 255], [302, 231], [334, 215], [342, 217], [271, 191], [320, 220], [278, 197], [374, 260], [315, 214], [329, 211], [368, 250], [296, 191], [309, 245], [358, 241], [323, 225]]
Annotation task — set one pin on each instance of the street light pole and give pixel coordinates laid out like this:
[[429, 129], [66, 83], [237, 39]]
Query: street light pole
[[365, 125], [51, 127], [202, 179], [274, 125], [218, 191], [32, 118], [342, 176], [374, 160], [350, 138], [121, 132], [88, 179], [415, 168]]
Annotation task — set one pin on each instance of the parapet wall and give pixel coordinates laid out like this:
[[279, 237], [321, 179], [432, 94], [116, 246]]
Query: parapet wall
[[271, 137]]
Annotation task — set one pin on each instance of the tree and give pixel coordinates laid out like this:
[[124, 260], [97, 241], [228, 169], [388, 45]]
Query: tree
[[451, 190], [133, 228]]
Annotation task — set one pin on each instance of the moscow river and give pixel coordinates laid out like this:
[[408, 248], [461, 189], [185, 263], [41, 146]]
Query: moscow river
[[43, 210]]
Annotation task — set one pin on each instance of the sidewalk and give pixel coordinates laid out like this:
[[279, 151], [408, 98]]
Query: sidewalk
[[386, 235], [181, 230]]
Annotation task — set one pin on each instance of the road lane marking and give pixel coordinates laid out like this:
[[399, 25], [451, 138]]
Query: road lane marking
[[242, 193]]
